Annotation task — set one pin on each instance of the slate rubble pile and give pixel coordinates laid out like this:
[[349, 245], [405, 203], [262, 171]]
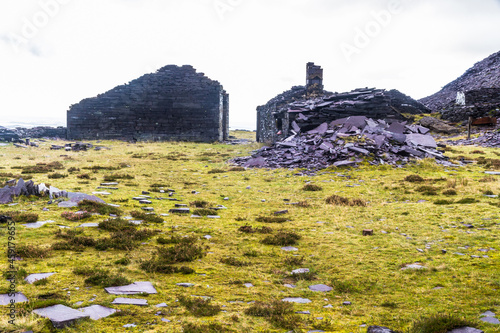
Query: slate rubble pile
[[346, 142], [14, 134], [487, 140], [22, 188]]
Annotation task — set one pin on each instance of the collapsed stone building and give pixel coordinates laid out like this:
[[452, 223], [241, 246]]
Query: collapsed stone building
[[173, 104], [304, 108], [475, 94]]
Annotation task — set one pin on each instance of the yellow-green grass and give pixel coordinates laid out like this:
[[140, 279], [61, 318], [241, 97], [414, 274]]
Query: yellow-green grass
[[365, 270]]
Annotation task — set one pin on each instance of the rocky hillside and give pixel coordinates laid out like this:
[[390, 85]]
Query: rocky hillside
[[484, 74]]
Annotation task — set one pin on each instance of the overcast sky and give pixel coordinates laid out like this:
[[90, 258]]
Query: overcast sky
[[54, 53]]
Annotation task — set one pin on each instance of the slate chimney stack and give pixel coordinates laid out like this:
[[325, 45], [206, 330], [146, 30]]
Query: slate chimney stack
[[314, 77]]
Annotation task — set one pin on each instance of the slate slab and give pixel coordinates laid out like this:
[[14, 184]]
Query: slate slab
[[38, 276], [379, 329], [490, 320], [67, 204], [466, 330], [320, 288], [297, 300], [289, 248], [78, 197], [96, 312], [132, 289], [185, 285], [36, 225], [130, 301], [88, 225], [179, 211], [5, 299], [60, 315], [300, 271]]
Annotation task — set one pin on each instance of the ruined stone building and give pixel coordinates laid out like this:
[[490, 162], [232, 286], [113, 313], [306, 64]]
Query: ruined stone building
[[173, 104], [303, 108], [474, 94]]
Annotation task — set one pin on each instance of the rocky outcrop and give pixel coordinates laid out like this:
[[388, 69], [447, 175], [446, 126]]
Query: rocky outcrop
[[438, 126], [480, 86], [175, 103]]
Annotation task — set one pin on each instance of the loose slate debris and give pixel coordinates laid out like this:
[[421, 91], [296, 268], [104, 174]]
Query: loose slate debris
[[132, 289], [5, 299], [60, 315], [39, 276], [345, 142], [36, 225], [96, 312], [130, 301], [487, 140]]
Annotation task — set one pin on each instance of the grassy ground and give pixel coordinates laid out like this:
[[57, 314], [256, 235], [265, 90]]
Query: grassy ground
[[364, 270]]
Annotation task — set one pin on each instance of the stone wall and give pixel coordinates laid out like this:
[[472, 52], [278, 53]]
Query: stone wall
[[173, 104]]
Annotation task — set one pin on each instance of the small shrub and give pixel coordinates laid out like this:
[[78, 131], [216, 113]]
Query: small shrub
[[466, 201], [439, 324], [41, 282], [478, 152], [73, 169], [390, 305], [199, 307], [216, 171], [75, 216], [174, 239], [96, 168], [116, 225], [204, 328], [97, 207], [115, 177], [488, 192], [427, 190], [238, 168], [488, 179], [250, 230], [123, 261], [293, 261], [443, 202], [151, 218], [303, 204], [231, 261], [204, 212], [83, 176], [200, 204], [101, 277], [57, 175], [450, 192], [272, 219], [282, 238], [414, 179], [309, 276], [17, 216], [312, 188], [344, 286], [32, 252], [341, 201], [278, 313]]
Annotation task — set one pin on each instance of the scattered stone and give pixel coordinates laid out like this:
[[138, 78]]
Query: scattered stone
[[148, 209], [292, 286], [490, 320], [320, 288], [35, 277], [132, 289], [129, 325], [303, 312], [60, 315], [185, 285], [36, 225], [413, 266], [466, 330], [289, 248], [180, 211], [88, 225], [96, 312], [130, 301], [248, 285], [297, 300], [346, 303], [5, 299], [368, 232], [161, 305], [379, 329], [300, 271]]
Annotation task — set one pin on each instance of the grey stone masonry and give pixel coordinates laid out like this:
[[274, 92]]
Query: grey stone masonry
[[173, 104]]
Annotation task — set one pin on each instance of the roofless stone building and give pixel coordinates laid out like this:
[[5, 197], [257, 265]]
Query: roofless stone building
[[304, 108], [173, 104]]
